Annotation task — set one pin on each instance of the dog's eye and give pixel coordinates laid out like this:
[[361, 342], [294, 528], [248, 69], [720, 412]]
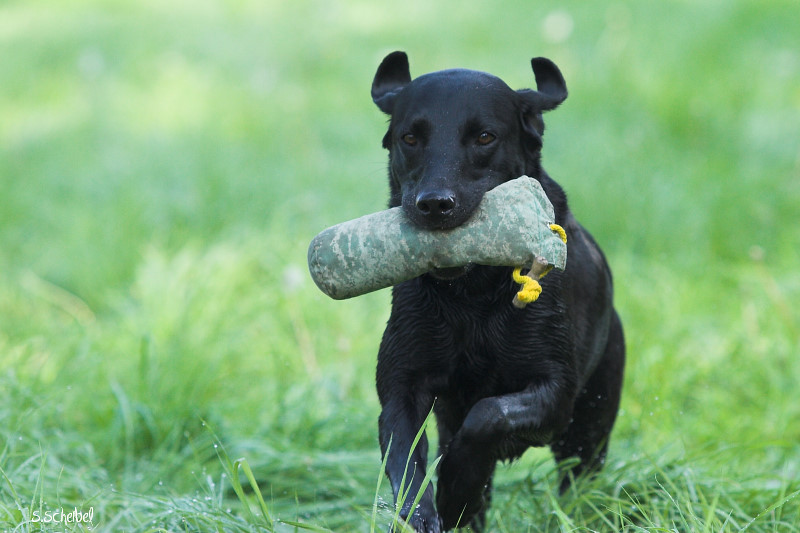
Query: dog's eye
[[410, 139], [485, 138]]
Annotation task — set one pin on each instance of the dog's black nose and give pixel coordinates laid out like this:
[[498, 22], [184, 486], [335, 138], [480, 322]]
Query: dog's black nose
[[436, 204]]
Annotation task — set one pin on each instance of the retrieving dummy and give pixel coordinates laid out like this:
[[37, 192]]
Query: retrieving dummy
[[513, 226]]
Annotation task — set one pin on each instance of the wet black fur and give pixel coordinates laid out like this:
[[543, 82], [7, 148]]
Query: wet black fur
[[499, 379]]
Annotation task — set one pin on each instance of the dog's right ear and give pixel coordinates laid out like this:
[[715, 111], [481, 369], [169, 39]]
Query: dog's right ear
[[552, 89], [393, 74]]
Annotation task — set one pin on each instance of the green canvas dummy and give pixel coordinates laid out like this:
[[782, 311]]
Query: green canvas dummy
[[511, 227]]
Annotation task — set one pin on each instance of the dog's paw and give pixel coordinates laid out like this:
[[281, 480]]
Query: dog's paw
[[419, 526], [424, 520]]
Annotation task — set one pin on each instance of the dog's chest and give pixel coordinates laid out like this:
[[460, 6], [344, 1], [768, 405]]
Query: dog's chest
[[483, 357]]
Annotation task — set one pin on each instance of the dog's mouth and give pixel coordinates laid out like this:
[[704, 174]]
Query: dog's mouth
[[450, 273]]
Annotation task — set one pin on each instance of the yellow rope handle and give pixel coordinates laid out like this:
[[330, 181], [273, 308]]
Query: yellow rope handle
[[530, 290], [561, 233]]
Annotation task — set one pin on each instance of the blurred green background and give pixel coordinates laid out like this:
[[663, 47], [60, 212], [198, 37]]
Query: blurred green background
[[163, 166]]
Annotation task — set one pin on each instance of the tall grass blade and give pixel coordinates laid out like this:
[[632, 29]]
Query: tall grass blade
[[381, 475], [405, 491]]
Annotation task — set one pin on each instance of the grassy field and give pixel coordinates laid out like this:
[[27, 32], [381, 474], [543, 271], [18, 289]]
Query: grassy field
[[166, 362]]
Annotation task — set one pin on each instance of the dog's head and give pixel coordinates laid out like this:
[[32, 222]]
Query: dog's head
[[456, 134]]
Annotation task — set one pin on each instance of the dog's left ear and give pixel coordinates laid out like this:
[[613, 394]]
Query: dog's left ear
[[552, 90], [393, 74]]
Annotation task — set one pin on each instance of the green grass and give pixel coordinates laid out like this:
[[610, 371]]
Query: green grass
[[163, 166]]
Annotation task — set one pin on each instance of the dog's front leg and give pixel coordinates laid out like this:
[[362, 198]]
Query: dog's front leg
[[399, 423], [496, 428]]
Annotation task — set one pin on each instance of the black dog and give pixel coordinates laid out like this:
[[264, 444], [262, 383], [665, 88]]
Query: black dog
[[499, 379]]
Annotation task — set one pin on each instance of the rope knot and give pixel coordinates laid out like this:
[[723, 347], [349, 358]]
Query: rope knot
[[530, 290]]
